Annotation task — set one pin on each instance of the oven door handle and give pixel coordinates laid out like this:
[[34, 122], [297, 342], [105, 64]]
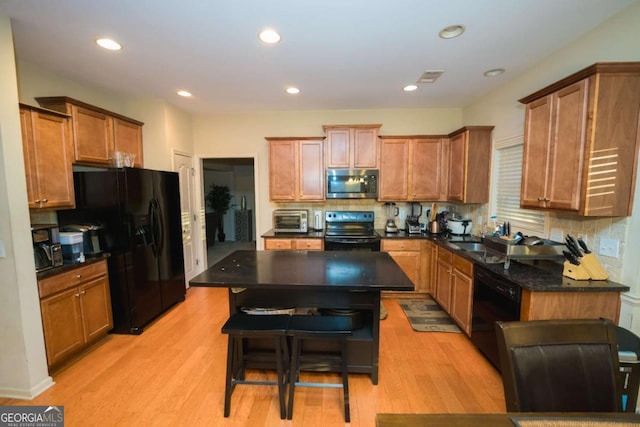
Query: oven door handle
[[350, 241]]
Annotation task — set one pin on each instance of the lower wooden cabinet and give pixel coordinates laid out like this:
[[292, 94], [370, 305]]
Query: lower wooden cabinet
[[462, 293], [293, 244], [454, 287], [443, 279], [407, 254], [76, 310]]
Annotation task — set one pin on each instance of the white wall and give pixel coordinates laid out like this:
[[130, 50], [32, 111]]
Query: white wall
[[23, 367]]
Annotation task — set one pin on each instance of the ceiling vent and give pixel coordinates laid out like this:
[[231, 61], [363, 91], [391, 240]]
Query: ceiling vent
[[430, 76]]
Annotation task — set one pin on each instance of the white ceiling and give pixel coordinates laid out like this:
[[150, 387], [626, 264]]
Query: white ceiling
[[342, 54]]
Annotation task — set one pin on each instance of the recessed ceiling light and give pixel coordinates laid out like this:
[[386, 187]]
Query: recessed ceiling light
[[452, 31], [184, 93], [269, 36], [293, 90], [108, 44], [494, 72], [410, 88]]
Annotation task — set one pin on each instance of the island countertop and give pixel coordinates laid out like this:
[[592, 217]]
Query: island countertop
[[347, 271]]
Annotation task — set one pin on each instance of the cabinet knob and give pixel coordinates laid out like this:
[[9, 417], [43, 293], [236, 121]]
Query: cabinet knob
[[83, 292], [45, 200], [37, 201], [77, 295], [78, 276]]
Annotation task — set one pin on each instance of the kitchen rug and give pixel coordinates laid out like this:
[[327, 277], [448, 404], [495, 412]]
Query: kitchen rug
[[425, 315]]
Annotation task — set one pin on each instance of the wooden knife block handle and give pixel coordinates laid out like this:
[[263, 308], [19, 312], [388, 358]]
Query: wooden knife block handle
[[575, 272], [593, 267]]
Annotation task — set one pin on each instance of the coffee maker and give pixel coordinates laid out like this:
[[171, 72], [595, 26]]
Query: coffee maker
[[47, 251], [391, 211], [412, 223]]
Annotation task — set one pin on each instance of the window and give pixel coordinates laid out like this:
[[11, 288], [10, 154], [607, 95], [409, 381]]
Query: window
[[506, 194]]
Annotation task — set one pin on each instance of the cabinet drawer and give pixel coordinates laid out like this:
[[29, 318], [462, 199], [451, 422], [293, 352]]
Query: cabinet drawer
[[444, 255], [68, 279], [309, 244], [464, 266], [400, 245], [278, 244]]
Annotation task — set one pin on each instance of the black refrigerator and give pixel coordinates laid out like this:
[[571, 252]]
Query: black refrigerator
[[139, 210]]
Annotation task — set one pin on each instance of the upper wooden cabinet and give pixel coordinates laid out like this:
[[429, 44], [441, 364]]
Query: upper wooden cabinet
[[47, 158], [411, 168], [581, 142], [469, 164], [352, 146], [97, 133], [296, 169]]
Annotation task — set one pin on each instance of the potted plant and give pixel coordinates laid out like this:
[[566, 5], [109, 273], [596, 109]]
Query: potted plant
[[218, 198]]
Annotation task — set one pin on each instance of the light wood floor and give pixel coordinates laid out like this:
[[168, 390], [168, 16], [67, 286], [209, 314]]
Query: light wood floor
[[173, 375]]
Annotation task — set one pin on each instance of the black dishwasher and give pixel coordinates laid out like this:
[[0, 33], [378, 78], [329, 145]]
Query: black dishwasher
[[494, 299]]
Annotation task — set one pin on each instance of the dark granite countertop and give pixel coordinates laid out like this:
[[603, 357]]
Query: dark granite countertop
[[347, 271], [68, 267], [309, 235], [538, 276]]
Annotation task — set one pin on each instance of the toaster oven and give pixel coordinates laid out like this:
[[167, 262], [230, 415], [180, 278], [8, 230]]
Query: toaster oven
[[290, 220]]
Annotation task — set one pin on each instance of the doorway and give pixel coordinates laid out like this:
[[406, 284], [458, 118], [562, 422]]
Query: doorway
[[238, 224]]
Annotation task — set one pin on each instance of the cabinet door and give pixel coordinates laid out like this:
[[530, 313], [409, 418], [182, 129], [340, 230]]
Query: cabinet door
[[96, 308], [462, 292], [62, 324], [567, 147], [394, 181], [536, 153], [311, 171], [47, 157], [338, 147], [282, 170], [426, 169], [457, 167], [93, 136], [409, 262], [128, 138], [29, 153], [443, 286], [365, 148]]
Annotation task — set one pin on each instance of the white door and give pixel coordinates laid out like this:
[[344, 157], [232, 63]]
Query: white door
[[183, 164]]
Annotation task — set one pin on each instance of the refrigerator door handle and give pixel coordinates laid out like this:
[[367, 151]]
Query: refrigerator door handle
[[153, 227], [157, 227]]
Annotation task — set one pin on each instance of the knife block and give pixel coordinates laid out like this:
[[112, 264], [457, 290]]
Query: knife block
[[593, 267], [576, 272]]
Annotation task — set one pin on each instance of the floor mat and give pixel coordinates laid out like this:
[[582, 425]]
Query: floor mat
[[425, 315]]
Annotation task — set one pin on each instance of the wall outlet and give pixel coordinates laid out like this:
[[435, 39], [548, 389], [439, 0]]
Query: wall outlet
[[609, 247], [479, 220]]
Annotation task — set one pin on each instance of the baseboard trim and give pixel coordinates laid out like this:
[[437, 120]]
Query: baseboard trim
[[28, 394]]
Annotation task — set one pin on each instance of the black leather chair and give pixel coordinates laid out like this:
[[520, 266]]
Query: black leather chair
[[272, 327], [333, 328], [560, 366]]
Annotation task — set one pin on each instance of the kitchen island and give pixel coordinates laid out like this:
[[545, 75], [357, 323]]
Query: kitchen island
[[314, 279]]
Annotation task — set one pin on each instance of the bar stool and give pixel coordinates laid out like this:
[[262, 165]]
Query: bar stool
[[303, 327], [240, 326]]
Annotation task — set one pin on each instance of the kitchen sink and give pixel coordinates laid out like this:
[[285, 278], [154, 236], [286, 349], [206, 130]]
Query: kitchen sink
[[470, 246]]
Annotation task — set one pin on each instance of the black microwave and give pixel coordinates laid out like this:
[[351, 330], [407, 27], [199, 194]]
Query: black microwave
[[352, 183]]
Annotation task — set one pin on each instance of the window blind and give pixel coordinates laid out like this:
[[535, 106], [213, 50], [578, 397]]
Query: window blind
[[508, 176]]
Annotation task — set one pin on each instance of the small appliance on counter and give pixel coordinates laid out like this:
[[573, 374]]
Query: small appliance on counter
[[72, 247], [290, 220], [460, 227], [92, 238], [412, 223], [47, 251], [391, 212], [317, 220]]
